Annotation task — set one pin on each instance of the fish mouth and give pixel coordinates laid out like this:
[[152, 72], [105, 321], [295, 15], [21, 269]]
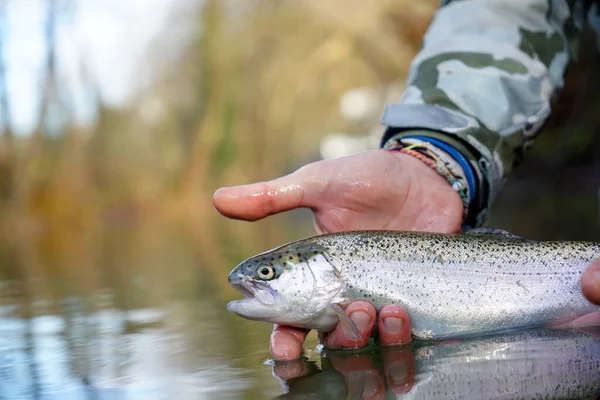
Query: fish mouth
[[244, 289], [253, 292], [246, 307]]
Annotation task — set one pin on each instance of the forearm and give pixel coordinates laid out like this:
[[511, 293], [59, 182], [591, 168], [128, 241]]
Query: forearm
[[483, 83]]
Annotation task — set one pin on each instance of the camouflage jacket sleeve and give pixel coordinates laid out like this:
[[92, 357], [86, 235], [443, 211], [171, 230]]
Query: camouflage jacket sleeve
[[483, 80]]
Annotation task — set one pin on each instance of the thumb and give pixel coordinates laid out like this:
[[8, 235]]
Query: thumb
[[258, 200]]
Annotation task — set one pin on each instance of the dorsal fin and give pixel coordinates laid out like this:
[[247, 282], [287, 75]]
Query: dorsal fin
[[493, 232]]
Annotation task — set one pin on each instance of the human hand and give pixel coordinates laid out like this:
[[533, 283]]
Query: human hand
[[590, 283], [369, 190]]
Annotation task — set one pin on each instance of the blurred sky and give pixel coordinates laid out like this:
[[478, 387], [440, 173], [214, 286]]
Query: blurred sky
[[108, 37]]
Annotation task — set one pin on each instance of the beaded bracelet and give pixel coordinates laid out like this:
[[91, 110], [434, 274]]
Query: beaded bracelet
[[439, 161]]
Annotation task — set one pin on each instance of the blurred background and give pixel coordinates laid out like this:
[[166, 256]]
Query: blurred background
[[119, 119]]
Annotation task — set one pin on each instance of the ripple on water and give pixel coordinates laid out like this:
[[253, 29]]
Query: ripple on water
[[107, 355]]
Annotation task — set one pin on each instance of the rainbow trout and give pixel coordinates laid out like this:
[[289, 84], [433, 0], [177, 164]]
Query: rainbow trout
[[484, 281]]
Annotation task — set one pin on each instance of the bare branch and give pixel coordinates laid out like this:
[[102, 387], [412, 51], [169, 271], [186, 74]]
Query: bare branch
[[4, 104], [50, 81]]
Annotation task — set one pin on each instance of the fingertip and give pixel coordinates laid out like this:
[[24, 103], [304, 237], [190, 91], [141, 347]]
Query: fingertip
[[223, 197], [394, 326], [245, 202], [217, 197], [286, 343], [590, 283], [220, 191], [258, 200], [226, 193]]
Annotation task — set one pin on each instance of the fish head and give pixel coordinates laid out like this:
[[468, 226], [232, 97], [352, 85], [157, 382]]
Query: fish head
[[291, 285]]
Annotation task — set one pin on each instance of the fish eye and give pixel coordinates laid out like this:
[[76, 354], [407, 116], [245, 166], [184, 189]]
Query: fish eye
[[266, 272]]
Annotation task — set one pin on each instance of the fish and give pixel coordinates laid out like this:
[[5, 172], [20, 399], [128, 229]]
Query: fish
[[544, 364], [484, 281]]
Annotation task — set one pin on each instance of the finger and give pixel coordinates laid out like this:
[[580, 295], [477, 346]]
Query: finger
[[258, 200], [361, 376], [286, 343], [364, 315], [399, 369], [590, 283], [394, 326]]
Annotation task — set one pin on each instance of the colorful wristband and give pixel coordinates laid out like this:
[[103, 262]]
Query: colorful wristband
[[444, 161]]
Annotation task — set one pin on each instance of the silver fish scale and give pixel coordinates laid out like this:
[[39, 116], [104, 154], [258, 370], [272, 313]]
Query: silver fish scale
[[452, 285]]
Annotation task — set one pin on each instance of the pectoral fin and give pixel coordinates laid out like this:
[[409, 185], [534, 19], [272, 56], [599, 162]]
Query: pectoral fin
[[589, 323], [348, 325], [593, 331]]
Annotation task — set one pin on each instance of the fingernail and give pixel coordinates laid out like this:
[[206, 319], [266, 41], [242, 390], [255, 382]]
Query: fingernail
[[223, 191], [398, 373], [361, 319], [393, 325], [597, 275]]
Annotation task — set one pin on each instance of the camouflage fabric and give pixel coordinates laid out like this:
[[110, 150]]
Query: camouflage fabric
[[484, 79]]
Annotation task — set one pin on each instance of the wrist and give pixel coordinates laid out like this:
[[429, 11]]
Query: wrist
[[432, 202], [444, 160], [472, 161]]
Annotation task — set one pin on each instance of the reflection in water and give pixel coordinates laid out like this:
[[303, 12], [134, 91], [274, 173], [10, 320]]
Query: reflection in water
[[131, 312], [108, 355], [533, 364]]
